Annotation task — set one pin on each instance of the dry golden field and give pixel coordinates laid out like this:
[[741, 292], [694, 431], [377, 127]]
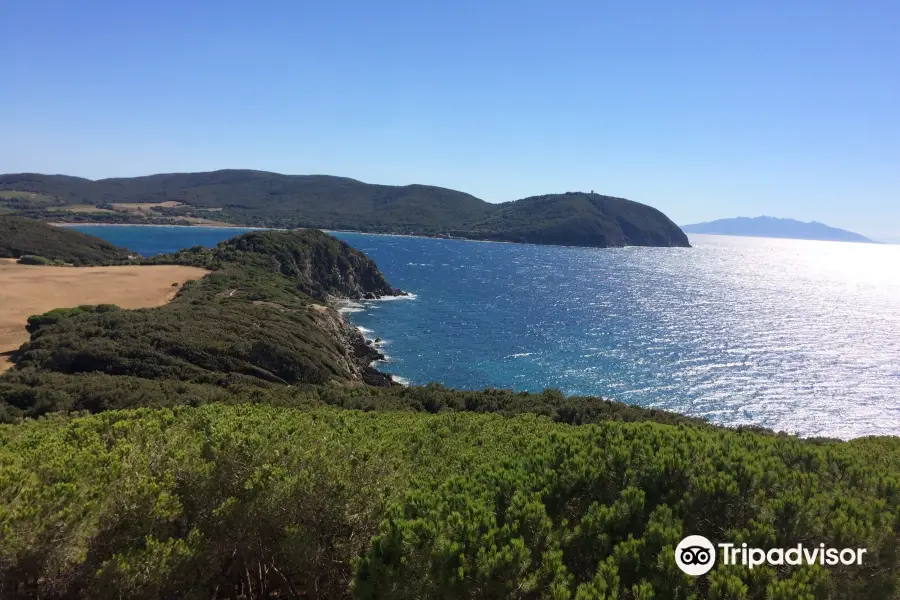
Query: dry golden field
[[27, 290]]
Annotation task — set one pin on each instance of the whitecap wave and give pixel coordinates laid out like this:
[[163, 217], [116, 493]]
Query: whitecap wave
[[348, 306], [400, 380], [520, 355], [408, 296]]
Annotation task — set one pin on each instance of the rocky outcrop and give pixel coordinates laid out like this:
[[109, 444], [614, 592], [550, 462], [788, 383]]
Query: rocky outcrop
[[358, 354], [325, 268], [320, 265]]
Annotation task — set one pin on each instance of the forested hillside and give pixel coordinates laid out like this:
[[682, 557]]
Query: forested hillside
[[578, 219], [257, 198], [26, 237]]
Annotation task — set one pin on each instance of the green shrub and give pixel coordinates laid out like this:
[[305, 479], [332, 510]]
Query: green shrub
[[256, 501], [30, 259]]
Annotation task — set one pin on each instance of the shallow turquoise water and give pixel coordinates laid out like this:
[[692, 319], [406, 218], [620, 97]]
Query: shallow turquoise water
[[793, 335]]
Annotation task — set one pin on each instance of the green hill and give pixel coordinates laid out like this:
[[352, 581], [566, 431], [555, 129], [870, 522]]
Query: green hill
[[26, 237], [578, 219], [258, 198]]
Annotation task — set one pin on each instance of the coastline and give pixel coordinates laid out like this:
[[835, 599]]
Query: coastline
[[347, 306], [331, 231]]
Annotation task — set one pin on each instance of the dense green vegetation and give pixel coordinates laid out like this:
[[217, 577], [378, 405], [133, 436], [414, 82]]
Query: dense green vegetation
[[233, 452], [315, 263], [27, 393], [272, 200], [255, 501], [28, 259], [25, 237], [228, 342], [254, 320]]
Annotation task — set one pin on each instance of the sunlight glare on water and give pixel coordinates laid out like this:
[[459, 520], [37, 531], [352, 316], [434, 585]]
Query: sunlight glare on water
[[792, 335]]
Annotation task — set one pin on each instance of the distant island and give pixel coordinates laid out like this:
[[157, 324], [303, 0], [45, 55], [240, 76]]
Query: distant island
[[771, 227], [262, 199]]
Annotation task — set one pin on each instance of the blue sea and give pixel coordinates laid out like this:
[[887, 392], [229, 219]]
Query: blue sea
[[798, 336], [148, 240]]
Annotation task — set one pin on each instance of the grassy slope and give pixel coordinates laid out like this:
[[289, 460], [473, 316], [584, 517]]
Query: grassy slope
[[274, 200]]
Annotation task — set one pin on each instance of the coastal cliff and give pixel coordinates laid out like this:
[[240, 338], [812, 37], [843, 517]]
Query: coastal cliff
[[317, 264]]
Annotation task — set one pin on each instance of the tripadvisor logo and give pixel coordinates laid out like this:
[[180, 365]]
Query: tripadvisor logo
[[696, 555]]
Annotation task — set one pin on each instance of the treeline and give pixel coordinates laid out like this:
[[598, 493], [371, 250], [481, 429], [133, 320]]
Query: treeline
[[257, 501], [56, 214], [26, 393]]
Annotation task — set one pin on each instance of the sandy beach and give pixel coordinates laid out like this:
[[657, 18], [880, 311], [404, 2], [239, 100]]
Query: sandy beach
[[27, 290]]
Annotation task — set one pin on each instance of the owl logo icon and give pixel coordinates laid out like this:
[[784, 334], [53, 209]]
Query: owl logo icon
[[695, 555]]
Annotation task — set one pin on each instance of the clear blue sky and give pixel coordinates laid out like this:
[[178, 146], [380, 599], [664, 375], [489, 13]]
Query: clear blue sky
[[704, 109]]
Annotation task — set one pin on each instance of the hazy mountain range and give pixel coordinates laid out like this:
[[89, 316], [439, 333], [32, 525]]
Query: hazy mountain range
[[772, 227]]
